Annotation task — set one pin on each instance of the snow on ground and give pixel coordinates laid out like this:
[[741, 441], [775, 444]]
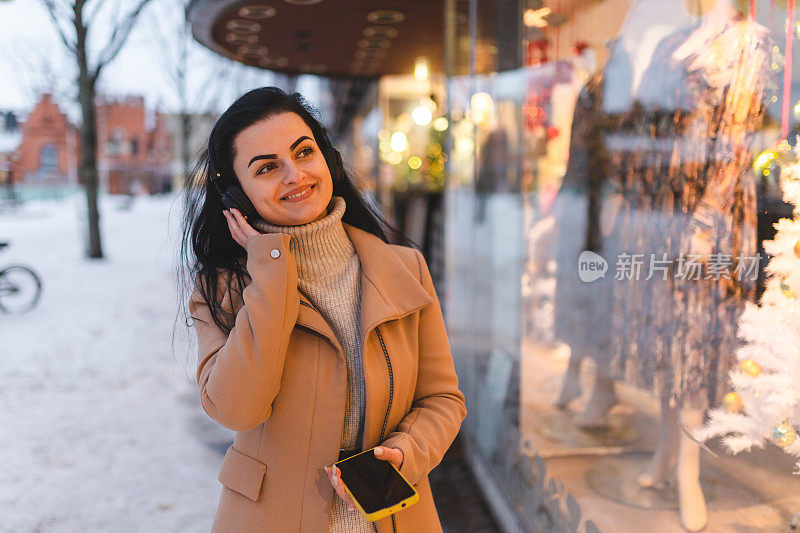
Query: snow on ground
[[101, 427]]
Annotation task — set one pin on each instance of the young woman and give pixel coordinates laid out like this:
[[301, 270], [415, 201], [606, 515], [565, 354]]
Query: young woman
[[316, 336]]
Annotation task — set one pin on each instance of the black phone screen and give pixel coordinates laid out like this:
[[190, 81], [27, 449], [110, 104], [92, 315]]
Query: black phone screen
[[373, 482]]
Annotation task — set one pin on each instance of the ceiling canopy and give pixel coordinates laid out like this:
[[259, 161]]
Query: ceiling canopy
[[337, 38]]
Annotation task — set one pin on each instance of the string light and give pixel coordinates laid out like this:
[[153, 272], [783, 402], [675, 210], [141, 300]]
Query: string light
[[534, 18], [421, 69], [398, 141], [421, 115], [440, 123]]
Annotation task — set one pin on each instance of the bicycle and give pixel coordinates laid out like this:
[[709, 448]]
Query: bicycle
[[20, 288]]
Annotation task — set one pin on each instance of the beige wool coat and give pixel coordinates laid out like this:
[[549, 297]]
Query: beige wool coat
[[279, 380]]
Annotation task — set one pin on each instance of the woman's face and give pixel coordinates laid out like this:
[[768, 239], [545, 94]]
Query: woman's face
[[278, 157]]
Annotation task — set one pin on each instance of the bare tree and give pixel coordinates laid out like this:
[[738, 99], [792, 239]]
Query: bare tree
[[197, 76], [72, 21]]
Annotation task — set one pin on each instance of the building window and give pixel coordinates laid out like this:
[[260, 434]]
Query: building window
[[116, 143], [48, 158], [134, 146]]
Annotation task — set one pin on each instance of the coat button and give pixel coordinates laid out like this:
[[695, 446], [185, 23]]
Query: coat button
[[275, 253]]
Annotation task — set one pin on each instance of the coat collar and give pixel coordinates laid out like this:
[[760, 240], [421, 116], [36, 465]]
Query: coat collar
[[388, 289]]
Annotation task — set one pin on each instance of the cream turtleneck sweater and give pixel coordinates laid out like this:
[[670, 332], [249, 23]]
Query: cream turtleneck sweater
[[329, 274]]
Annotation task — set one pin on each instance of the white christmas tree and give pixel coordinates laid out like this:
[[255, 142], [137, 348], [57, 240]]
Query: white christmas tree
[[764, 403]]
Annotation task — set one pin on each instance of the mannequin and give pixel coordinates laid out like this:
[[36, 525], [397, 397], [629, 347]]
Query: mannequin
[[685, 360], [647, 23], [714, 13], [674, 445], [677, 448]]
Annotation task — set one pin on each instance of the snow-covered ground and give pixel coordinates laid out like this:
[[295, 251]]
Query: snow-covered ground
[[101, 427]]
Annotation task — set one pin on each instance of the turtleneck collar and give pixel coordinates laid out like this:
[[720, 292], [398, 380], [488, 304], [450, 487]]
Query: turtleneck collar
[[321, 247]]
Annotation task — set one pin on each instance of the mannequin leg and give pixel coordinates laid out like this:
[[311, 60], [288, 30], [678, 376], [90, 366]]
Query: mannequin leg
[[666, 453], [571, 386], [602, 400], [692, 503]]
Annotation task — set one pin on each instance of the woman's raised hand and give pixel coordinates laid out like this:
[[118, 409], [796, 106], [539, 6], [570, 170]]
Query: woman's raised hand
[[239, 227]]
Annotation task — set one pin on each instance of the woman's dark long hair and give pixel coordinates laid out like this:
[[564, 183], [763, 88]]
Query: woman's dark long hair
[[207, 248]]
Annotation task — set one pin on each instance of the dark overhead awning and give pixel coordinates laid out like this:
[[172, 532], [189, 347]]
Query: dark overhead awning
[[337, 38]]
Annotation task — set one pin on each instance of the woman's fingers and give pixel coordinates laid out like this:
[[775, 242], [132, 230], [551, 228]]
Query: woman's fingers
[[393, 455], [244, 227], [339, 487], [233, 226], [231, 223], [336, 481], [239, 227]]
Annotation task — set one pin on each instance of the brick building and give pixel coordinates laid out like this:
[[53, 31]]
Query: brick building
[[137, 147], [47, 154], [10, 138], [134, 146]]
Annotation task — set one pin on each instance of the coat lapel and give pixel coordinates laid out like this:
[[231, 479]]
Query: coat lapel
[[388, 289], [309, 316]]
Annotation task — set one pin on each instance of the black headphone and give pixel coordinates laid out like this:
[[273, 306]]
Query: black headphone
[[233, 197]]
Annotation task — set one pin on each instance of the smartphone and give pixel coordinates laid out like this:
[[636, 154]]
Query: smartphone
[[377, 487]]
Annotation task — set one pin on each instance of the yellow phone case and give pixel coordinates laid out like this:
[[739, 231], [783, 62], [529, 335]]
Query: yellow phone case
[[386, 511]]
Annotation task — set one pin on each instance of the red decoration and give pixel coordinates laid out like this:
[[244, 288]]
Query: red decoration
[[537, 52], [580, 47]]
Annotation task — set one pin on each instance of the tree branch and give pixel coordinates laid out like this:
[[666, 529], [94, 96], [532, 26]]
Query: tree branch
[[173, 58], [118, 37], [98, 5], [39, 70], [52, 10]]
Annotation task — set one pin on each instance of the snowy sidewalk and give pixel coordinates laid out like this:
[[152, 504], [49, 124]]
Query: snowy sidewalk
[[101, 427]]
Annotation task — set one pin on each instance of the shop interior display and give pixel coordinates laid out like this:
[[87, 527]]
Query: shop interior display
[[578, 210], [659, 170], [637, 151]]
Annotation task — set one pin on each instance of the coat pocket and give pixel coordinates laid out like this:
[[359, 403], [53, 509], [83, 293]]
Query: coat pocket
[[242, 473]]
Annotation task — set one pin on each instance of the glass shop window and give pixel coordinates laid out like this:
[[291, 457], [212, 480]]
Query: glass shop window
[[617, 285]]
